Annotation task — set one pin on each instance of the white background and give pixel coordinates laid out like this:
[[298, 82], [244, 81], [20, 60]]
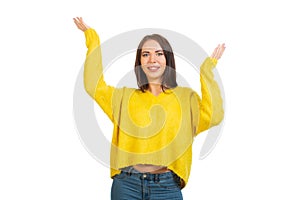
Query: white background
[[42, 52]]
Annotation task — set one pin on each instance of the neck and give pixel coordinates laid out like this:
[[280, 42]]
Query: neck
[[155, 88]]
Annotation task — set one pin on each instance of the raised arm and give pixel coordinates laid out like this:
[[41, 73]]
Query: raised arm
[[93, 64], [208, 111], [93, 70]]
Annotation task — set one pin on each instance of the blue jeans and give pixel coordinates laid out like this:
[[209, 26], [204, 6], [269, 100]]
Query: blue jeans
[[133, 185]]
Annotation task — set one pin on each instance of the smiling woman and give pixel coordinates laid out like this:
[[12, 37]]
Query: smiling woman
[[154, 125], [153, 62], [155, 56]]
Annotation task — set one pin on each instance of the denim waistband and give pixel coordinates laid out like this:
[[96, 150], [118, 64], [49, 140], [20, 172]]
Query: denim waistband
[[147, 175]]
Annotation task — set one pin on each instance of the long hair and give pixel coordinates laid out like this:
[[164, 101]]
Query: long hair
[[169, 76]]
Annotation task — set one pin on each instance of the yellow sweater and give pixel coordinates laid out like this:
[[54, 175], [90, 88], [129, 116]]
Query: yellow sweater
[[151, 129]]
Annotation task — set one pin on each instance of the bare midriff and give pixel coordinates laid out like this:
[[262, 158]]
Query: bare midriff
[[153, 169]]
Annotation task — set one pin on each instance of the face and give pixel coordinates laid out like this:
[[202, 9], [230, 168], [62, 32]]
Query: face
[[153, 61]]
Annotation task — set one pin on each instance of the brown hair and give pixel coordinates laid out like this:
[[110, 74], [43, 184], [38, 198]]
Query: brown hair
[[169, 76]]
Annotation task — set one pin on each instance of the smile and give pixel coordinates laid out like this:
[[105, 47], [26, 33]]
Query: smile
[[153, 68]]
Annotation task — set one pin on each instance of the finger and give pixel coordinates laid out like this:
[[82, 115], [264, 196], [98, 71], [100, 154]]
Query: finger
[[75, 20], [218, 52], [84, 25], [81, 20], [77, 23], [221, 50], [215, 52], [217, 56]]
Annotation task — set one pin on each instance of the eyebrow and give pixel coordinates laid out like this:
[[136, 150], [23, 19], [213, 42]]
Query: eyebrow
[[155, 51]]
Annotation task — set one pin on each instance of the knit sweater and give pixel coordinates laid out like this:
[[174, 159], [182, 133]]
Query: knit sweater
[[149, 129]]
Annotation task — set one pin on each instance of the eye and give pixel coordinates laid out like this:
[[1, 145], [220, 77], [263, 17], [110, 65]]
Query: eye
[[145, 54], [160, 54]]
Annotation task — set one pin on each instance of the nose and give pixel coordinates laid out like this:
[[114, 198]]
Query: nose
[[152, 58]]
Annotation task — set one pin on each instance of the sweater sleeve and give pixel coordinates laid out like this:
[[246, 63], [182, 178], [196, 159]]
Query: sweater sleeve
[[208, 111], [93, 78]]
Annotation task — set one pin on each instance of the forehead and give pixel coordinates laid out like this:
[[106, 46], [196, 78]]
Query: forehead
[[151, 45]]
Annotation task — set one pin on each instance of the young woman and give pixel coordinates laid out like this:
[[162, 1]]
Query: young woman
[[154, 125]]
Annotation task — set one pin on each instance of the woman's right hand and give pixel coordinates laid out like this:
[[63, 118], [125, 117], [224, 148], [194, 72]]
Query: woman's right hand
[[80, 24]]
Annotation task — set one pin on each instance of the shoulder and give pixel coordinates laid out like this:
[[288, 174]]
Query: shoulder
[[129, 91], [183, 90], [185, 93]]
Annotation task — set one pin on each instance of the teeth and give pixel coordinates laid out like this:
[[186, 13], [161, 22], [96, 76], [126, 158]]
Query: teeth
[[153, 68]]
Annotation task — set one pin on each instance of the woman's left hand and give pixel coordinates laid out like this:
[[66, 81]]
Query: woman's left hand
[[80, 24], [217, 54]]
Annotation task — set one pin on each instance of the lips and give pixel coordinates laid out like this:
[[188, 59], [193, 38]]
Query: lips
[[153, 68]]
